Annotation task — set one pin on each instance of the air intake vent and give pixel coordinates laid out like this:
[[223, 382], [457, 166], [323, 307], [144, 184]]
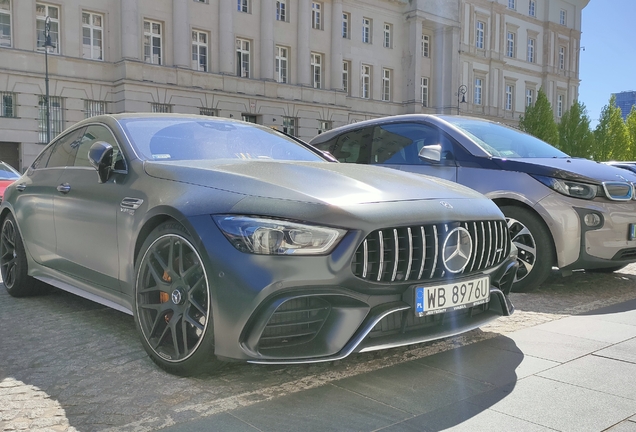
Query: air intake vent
[[417, 252], [295, 322], [619, 191]]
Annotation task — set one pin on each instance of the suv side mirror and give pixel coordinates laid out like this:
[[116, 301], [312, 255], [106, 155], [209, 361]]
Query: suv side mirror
[[100, 156], [431, 153]]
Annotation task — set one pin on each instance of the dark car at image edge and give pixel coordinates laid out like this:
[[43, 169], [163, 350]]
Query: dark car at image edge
[[229, 241]]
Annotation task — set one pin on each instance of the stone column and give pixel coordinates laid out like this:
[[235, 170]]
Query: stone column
[[336, 45], [131, 40], [181, 33], [227, 49], [303, 58], [267, 39]]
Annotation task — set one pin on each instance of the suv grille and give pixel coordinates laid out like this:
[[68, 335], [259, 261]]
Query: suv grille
[[416, 253]]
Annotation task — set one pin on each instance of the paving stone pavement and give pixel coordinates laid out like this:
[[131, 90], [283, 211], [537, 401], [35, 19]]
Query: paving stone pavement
[[67, 364]]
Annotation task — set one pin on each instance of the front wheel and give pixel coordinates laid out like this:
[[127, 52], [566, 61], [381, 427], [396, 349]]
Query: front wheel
[[534, 243], [173, 311]]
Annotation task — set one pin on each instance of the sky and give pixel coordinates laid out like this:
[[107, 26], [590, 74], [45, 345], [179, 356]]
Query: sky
[[608, 64]]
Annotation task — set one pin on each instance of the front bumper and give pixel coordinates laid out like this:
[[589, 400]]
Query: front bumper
[[581, 247]]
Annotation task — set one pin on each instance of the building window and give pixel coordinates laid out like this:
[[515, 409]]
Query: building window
[[529, 97], [281, 10], [478, 88], [563, 17], [387, 35], [289, 125], [512, 4], [211, 112], [152, 42], [55, 117], [346, 79], [92, 31], [249, 118], [7, 107], [562, 57], [366, 30], [324, 126], [510, 45], [365, 81], [242, 58], [281, 64], [424, 91], [160, 108], [316, 15], [426, 45], [531, 44], [243, 6], [346, 18], [199, 50], [5, 23], [509, 98], [316, 70], [532, 8], [386, 85], [53, 12], [479, 37], [200, 1], [559, 105], [94, 108]]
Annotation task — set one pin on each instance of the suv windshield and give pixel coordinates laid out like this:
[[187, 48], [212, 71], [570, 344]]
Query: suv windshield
[[504, 142]]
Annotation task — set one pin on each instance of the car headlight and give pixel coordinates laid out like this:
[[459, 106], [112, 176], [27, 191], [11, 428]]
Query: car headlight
[[570, 188], [277, 237]]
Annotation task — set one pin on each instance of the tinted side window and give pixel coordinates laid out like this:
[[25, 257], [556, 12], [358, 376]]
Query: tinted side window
[[64, 150], [92, 134], [43, 159], [352, 146], [400, 143]]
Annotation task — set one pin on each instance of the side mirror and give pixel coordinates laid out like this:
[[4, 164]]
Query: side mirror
[[431, 153], [100, 156]]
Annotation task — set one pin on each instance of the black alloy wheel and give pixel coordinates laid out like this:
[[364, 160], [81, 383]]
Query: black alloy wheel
[[172, 301], [534, 245], [13, 263]]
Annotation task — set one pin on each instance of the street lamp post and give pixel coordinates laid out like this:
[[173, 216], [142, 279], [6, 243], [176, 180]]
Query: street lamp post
[[47, 44], [461, 91]]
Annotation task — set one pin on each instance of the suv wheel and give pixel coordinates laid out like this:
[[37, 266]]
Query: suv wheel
[[536, 253]]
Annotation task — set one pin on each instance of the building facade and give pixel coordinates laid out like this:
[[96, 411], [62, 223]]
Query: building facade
[[301, 66], [625, 101]]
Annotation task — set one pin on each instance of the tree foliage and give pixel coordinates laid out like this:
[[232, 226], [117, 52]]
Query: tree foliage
[[631, 131], [575, 135], [539, 120], [611, 136]]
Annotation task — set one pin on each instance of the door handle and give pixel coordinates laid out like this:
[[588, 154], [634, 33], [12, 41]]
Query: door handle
[[64, 188], [20, 187]]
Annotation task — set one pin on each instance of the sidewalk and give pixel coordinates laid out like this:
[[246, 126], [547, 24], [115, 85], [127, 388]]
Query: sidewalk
[[573, 374]]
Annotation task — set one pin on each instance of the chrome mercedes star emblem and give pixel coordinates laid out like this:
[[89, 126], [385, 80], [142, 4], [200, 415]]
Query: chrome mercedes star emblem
[[457, 250], [445, 204], [176, 297]]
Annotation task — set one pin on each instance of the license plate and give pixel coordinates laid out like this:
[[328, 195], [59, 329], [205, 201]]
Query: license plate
[[632, 232], [430, 300]]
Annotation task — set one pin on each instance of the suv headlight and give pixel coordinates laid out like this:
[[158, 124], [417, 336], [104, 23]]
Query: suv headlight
[[570, 188], [277, 237]]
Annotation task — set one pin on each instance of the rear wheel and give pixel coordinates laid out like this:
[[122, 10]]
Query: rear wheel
[[173, 310], [534, 244], [13, 263]]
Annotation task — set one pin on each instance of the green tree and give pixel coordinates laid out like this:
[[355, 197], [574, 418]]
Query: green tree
[[631, 130], [575, 136], [539, 120], [612, 139]]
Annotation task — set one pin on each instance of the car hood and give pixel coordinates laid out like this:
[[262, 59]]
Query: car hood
[[325, 182], [575, 169]]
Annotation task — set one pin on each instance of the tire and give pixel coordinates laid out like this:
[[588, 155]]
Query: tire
[[172, 304], [534, 243], [606, 269], [13, 263]]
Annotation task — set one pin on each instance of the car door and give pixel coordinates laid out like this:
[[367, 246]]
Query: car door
[[86, 214], [398, 145], [34, 199]]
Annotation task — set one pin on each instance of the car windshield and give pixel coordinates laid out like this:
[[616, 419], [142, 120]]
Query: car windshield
[[504, 142], [8, 173], [169, 139]]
